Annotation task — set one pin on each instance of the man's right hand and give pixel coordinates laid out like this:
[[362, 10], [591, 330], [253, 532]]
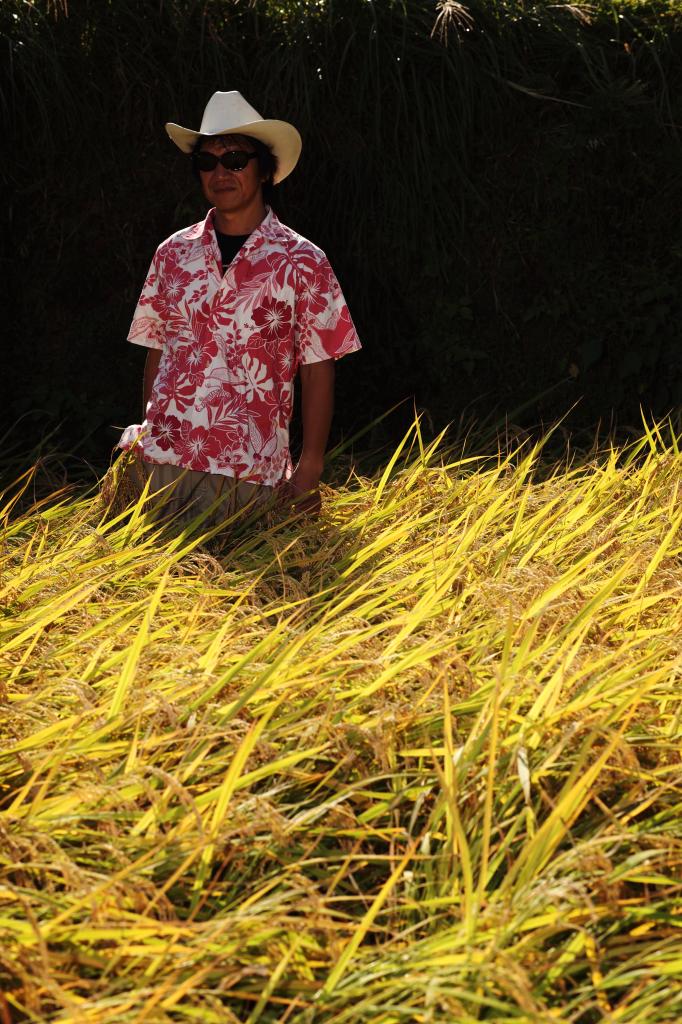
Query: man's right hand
[[303, 488]]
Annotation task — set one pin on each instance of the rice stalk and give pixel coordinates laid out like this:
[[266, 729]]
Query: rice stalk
[[419, 760]]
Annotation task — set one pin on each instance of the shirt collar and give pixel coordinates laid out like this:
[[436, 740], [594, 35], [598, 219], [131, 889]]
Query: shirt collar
[[269, 230]]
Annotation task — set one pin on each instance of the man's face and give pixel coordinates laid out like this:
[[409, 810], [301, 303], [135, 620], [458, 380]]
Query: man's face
[[231, 192]]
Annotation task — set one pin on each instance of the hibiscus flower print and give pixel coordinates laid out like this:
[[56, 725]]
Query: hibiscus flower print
[[175, 284], [314, 295], [279, 404], [194, 356], [273, 317], [256, 381], [196, 447], [165, 431]]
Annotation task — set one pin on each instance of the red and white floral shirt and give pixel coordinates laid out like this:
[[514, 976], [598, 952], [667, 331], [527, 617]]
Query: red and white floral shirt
[[231, 345]]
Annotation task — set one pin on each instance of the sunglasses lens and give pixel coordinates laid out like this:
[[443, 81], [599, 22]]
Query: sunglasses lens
[[206, 161], [235, 161]]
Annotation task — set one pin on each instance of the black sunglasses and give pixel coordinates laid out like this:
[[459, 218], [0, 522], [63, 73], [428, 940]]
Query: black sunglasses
[[233, 160]]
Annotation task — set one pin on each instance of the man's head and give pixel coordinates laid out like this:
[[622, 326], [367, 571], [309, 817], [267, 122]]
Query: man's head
[[246, 158]]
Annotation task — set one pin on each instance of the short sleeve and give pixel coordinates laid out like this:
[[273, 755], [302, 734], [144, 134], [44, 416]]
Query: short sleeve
[[148, 328], [324, 328]]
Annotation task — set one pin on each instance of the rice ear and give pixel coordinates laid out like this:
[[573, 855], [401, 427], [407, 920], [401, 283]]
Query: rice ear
[[122, 484]]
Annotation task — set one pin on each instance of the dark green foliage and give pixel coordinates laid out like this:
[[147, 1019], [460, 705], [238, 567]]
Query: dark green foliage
[[497, 186]]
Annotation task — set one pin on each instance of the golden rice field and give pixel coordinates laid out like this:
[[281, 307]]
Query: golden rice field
[[418, 761]]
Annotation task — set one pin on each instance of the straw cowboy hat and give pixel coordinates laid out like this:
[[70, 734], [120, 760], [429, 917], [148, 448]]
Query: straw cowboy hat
[[228, 113]]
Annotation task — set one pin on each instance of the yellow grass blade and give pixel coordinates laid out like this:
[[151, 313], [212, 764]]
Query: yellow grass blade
[[367, 921], [129, 669], [388, 764]]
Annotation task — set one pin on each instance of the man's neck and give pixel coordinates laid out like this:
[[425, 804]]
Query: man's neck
[[241, 222]]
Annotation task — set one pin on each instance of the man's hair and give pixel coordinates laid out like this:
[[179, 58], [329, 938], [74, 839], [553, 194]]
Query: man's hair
[[267, 161]]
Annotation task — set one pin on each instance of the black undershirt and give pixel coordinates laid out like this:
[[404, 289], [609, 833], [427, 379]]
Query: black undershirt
[[229, 246]]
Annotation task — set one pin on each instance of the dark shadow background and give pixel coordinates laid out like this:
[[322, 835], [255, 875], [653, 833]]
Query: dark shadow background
[[497, 186]]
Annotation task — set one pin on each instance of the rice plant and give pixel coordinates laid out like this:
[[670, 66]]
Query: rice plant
[[417, 761]]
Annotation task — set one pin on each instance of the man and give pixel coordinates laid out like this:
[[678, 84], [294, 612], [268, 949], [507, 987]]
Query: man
[[231, 309]]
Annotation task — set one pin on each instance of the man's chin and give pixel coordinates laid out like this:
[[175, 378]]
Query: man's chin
[[226, 200]]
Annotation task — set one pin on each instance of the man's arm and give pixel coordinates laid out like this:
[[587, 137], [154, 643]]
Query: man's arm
[[150, 368], [317, 407]]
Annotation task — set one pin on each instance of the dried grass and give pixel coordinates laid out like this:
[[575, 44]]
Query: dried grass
[[418, 761]]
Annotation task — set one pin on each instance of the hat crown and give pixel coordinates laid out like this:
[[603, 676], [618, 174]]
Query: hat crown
[[227, 110]]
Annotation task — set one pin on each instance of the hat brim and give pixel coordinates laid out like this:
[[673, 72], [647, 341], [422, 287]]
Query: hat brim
[[282, 138]]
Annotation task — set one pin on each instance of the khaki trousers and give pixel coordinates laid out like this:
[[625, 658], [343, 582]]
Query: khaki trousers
[[185, 493]]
